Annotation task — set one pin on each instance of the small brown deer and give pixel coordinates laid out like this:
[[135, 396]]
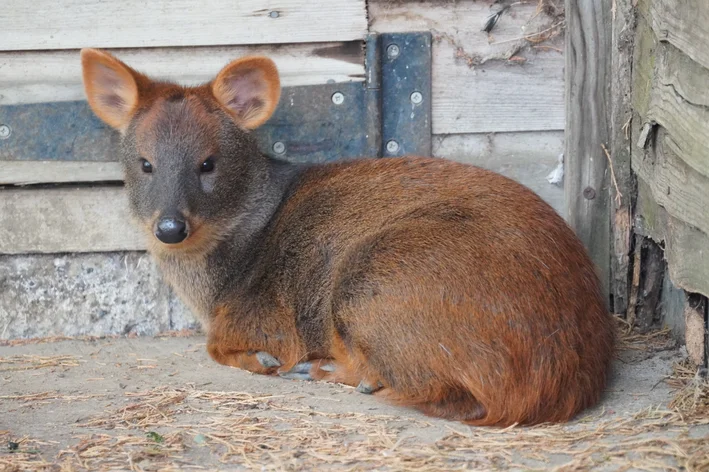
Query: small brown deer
[[433, 284]]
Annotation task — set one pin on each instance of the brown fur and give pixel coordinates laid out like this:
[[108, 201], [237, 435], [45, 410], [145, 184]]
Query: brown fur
[[458, 290]]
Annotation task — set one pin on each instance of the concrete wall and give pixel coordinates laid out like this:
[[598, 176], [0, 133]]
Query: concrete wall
[[86, 294]]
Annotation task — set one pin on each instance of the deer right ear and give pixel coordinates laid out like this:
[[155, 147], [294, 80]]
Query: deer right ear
[[110, 86]]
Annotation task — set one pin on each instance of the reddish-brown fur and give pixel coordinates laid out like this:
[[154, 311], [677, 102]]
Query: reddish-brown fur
[[458, 290]]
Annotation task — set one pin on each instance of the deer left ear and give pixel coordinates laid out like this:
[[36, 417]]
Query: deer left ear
[[249, 88]]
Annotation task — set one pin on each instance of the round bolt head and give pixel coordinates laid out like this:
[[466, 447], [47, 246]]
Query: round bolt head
[[392, 146], [589, 193], [274, 14], [393, 51], [279, 147], [338, 98], [5, 131], [416, 98]]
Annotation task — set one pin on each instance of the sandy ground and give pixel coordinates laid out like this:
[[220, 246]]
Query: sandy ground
[[162, 404]]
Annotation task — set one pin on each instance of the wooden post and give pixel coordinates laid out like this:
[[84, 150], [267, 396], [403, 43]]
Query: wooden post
[[588, 87], [622, 180]]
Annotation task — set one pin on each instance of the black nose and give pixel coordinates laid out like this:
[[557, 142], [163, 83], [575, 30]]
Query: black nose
[[171, 230]]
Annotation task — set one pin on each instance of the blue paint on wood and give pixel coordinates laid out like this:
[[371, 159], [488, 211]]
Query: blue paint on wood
[[308, 125]]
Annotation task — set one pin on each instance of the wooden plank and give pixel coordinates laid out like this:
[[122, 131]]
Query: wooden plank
[[39, 172], [619, 153], [528, 158], [51, 76], [681, 190], [498, 97], [71, 24], [60, 220], [685, 121], [685, 24], [686, 247], [588, 68], [475, 88]]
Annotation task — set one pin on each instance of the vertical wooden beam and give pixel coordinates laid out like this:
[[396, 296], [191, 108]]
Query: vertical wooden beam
[[588, 97], [622, 180]]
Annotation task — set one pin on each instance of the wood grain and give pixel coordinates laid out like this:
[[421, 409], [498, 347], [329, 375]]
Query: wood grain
[[686, 122], [686, 248], [623, 196], [685, 24], [71, 24], [52, 76], [681, 190], [39, 172], [588, 68], [475, 88], [60, 220]]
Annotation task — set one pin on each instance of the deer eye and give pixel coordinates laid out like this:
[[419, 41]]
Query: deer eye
[[146, 166], [207, 166]]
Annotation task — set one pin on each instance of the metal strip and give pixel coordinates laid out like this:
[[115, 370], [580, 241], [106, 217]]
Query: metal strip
[[406, 94]]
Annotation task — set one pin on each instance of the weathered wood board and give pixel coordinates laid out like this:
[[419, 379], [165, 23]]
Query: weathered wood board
[[681, 190], [54, 76], [671, 120], [685, 24], [619, 147], [38, 172], [48, 24], [588, 101], [476, 88], [58, 220], [686, 247]]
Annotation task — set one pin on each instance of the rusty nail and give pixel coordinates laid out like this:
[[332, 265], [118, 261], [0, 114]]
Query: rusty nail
[[589, 193]]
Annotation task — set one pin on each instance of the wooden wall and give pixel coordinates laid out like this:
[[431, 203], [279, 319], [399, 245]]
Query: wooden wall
[[498, 98], [669, 146]]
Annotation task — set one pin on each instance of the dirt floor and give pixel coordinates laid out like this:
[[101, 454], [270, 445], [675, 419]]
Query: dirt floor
[[162, 404]]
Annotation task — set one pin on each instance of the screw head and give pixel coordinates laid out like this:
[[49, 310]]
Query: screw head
[[416, 98], [338, 98], [589, 193], [279, 147], [274, 14], [393, 51], [5, 131], [392, 146]]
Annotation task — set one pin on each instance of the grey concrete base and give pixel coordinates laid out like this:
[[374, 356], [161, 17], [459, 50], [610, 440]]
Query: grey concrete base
[[86, 294]]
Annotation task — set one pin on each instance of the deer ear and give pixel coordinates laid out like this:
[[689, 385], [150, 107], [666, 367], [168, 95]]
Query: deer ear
[[249, 88], [111, 87]]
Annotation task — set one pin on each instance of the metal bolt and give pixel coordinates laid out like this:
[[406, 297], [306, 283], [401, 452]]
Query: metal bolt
[[5, 131], [279, 147], [392, 146], [589, 193], [338, 98], [274, 14], [393, 51], [416, 98]]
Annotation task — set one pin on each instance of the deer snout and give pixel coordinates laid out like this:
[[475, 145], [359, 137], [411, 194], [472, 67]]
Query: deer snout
[[171, 229]]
